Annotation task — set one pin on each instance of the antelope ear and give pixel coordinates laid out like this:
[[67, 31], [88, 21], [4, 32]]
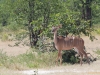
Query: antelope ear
[[53, 27]]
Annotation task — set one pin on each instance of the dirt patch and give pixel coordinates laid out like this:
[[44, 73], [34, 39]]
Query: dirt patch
[[12, 50], [92, 46]]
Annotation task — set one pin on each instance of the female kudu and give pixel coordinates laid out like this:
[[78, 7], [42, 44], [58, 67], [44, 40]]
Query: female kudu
[[67, 43]]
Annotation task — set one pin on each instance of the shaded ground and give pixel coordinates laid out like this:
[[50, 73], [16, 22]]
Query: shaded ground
[[93, 69]]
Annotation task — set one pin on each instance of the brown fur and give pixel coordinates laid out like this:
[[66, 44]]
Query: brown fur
[[67, 43]]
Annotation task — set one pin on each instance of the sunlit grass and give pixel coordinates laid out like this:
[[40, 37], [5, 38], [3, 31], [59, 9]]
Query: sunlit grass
[[97, 28], [28, 60]]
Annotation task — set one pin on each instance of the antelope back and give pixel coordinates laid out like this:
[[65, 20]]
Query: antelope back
[[69, 43]]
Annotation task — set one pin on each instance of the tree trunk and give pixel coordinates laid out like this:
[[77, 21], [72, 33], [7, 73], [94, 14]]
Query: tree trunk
[[83, 9], [86, 10], [32, 35]]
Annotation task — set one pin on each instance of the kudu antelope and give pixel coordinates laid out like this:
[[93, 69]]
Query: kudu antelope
[[67, 43]]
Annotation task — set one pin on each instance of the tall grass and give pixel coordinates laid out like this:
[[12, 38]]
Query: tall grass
[[97, 28], [98, 31], [30, 59], [98, 53]]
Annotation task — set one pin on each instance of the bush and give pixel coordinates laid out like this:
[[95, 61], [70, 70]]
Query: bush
[[69, 57]]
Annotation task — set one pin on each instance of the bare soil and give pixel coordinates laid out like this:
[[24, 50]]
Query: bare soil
[[92, 69], [11, 50]]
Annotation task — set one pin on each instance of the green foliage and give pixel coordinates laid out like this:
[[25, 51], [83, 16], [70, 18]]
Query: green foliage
[[19, 10], [47, 14], [96, 11]]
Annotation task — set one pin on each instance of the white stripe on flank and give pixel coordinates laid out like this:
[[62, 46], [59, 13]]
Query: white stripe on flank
[[73, 38]]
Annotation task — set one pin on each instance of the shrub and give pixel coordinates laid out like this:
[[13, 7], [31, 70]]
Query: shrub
[[69, 57], [4, 37]]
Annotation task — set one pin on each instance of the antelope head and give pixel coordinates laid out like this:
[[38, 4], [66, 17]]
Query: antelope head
[[55, 28]]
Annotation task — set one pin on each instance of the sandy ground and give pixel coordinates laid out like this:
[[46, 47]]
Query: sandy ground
[[12, 51], [92, 46], [93, 69]]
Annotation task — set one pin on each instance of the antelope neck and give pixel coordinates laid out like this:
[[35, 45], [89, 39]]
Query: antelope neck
[[55, 37]]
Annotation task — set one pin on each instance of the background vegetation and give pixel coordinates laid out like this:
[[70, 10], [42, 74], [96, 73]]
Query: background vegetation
[[33, 20], [37, 17]]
